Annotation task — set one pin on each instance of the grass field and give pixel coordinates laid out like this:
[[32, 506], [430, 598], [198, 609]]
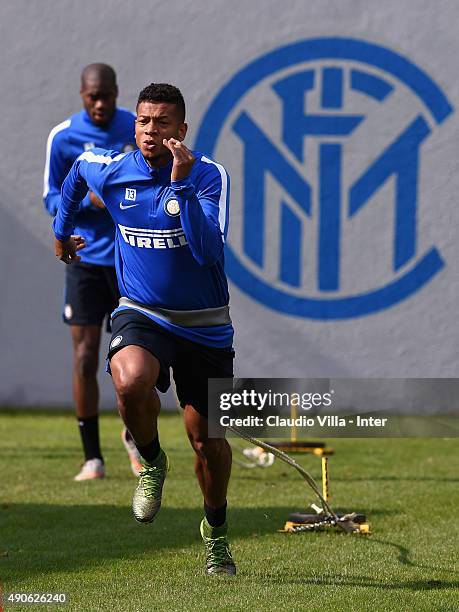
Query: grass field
[[60, 536]]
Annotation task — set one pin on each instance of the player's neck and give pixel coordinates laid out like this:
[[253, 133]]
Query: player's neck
[[159, 162]]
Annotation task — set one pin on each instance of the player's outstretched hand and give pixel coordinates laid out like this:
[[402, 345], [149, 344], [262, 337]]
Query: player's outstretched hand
[[67, 251], [183, 159]]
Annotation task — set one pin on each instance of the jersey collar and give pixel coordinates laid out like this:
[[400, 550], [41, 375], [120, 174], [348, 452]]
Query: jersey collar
[[159, 174]]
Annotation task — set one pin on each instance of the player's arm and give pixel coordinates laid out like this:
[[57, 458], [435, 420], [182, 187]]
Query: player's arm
[[57, 166], [89, 171], [203, 207]]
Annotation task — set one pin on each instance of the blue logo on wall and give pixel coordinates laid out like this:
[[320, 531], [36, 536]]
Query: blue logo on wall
[[323, 141]]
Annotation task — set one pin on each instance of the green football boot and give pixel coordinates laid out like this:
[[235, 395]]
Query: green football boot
[[147, 497], [219, 561]]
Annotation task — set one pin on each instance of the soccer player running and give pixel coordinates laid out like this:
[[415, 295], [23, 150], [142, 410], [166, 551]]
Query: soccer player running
[[170, 208], [91, 290]]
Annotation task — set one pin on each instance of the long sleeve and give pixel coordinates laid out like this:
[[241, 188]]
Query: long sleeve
[[204, 211], [89, 171], [56, 167], [74, 189]]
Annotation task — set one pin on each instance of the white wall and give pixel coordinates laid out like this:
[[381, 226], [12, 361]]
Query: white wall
[[199, 46]]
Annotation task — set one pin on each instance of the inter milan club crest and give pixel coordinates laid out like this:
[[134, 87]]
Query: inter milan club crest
[[325, 142], [172, 207]]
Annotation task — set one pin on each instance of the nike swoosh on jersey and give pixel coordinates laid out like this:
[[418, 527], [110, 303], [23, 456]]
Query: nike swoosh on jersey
[[124, 206]]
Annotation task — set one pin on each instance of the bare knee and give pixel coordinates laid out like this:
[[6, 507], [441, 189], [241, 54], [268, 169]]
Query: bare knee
[[85, 341], [131, 384], [86, 360], [134, 373], [206, 447]]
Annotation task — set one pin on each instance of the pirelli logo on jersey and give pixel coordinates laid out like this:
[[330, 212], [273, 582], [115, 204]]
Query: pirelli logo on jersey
[[153, 239]]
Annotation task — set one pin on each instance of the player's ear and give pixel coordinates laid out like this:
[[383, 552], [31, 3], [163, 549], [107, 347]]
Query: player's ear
[[183, 128]]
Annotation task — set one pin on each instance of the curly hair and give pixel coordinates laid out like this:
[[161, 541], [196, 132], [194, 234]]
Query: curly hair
[[163, 92]]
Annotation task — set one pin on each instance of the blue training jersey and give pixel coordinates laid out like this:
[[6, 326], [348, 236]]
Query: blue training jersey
[[66, 142], [169, 238]]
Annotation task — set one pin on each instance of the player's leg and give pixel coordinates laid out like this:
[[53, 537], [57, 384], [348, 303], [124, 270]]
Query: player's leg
[[84, 312], [139, 356], [135, 372], [213, 470], [112, 296], [212, 461], [213, 457], [85, 344]]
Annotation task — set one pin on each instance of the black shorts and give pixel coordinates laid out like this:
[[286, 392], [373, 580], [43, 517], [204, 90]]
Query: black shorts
[[192, 363], [91, 293]]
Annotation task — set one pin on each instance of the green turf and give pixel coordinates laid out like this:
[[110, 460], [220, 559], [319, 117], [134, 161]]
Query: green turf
[[61, 536]]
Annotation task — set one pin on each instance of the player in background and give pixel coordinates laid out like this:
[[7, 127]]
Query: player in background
[[91, 289], [170, 206]]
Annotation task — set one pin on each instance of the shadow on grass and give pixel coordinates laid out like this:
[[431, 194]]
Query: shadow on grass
[[404, 557], [36, 539], [40, 538], [337, 580]]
